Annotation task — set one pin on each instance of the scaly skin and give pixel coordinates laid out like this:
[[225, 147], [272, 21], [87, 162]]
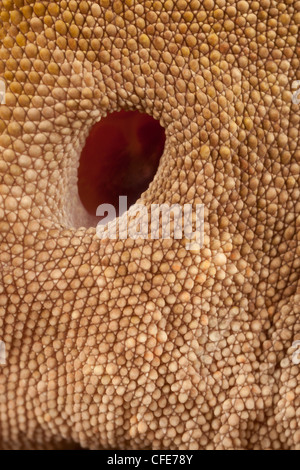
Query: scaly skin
[[136, 343]]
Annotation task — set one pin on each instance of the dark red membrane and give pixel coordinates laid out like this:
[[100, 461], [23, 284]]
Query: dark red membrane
[[120, 158]]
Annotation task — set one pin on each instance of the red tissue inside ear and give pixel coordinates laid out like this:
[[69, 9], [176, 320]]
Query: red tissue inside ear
[[120, 158]]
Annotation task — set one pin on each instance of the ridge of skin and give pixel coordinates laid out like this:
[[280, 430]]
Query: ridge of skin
[[142, 344]]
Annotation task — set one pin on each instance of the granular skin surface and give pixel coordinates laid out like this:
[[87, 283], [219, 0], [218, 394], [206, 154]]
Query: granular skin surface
[[142, 344]]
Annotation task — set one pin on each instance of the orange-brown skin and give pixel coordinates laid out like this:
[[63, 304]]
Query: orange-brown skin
[[143, 344]]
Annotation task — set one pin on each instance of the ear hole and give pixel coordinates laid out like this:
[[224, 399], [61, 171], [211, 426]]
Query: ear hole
[[120, 158]]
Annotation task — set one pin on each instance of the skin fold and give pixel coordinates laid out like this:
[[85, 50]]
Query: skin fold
[[142, 344]]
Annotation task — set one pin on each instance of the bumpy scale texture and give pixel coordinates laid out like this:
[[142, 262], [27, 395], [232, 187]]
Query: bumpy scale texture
[[142, 344]]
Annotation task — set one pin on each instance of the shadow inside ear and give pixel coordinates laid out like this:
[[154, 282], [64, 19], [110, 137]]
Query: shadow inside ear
[[120, 158]]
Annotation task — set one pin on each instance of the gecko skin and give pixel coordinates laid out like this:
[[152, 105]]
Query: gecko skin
[[143, 344]]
